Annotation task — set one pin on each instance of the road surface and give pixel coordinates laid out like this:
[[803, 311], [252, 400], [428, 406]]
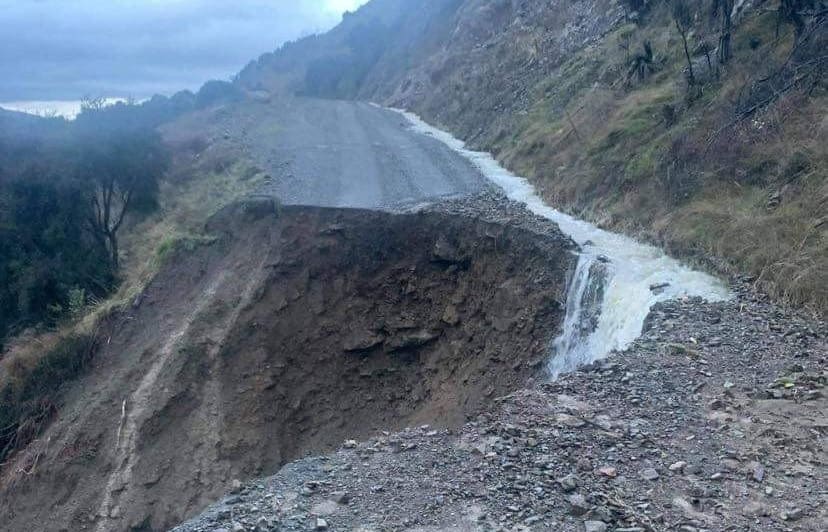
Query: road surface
[[351, 154]]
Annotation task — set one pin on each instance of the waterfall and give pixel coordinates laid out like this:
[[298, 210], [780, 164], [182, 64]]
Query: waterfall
[[617, 279]]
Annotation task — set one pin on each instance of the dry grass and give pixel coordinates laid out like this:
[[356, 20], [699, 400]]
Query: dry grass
[[754, 200]]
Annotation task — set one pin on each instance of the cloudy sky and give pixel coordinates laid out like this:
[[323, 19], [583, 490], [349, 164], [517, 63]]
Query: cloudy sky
[[66, 49]]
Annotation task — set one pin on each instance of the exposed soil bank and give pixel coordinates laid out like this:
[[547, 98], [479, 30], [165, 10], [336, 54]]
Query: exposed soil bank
[[293, 331], [714, 420]]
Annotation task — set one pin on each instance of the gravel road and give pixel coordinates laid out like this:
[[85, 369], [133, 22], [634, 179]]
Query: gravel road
[[350, 154]]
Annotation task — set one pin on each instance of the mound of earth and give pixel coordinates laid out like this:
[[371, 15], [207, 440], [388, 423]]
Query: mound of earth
[[295, 329]]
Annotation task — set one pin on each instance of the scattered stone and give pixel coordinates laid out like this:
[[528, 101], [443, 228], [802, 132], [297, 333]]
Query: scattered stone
[[607, 471], [678, 466], [569, 483], [757, 471], [595, 526], [321, 524], [450, 315], [578, 504], [649, 474], [340, 497], [794, 514]]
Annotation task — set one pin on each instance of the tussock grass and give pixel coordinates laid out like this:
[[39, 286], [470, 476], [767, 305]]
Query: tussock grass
[[636, 156]]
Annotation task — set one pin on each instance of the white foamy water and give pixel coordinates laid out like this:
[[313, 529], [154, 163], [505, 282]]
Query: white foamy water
[[610, 291]]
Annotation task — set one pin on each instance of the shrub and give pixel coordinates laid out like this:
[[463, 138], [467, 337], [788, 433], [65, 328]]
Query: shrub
[[29, 395]]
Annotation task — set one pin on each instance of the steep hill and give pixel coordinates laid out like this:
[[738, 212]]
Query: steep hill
[[715, 149]]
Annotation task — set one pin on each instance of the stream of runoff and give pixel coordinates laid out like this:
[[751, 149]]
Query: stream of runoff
[[617, 279]]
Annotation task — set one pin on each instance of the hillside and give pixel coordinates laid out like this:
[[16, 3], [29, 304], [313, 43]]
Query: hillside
[[717, 152]]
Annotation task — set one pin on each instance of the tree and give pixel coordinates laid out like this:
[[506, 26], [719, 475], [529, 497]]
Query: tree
[[121, 175], [683, 18]]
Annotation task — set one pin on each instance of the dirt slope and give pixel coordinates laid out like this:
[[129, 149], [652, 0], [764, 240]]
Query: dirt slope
[[293, 331]]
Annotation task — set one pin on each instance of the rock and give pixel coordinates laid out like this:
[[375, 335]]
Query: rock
[[321, 524], [584, 464], [350, 444], [237, 527], [569, 483], [578, 504], [610, 472], [446, 251], [362, 341], [757, 471], [649, 474], [409, 340], [595, 526], [235, 486], [340, 497], [794, 514], [450, 315], [755, 509], [678, 466], [324, 508]]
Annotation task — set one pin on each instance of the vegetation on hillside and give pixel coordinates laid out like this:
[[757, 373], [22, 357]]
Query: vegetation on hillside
[[63, 201], [698, 129], [198, 179]]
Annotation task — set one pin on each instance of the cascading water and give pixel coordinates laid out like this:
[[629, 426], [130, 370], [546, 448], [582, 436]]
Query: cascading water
[[617, 279]]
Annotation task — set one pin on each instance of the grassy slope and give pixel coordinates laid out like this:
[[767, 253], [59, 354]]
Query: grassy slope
[[622, 166]]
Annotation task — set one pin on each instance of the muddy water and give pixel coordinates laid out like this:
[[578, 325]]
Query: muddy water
[[616, 282]]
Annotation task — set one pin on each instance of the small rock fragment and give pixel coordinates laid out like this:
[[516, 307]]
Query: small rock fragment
[[340, 497], [595, 526], [568, 483], [649, 474], [578, 504]]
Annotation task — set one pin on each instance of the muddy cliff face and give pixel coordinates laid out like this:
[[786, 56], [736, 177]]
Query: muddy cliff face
[[293, 331]]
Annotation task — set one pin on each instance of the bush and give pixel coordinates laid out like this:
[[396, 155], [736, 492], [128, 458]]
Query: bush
[[28, 397]]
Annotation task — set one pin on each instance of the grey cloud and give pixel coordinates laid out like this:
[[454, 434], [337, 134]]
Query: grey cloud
[[64, 49]]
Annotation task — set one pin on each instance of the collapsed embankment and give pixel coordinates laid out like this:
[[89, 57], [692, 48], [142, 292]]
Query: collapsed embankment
[[295, 329]]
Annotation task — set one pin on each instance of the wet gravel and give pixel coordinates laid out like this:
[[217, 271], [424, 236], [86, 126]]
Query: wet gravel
[[715, 419]]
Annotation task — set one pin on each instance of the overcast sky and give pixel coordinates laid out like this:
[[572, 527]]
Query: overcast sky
[[66, 49]]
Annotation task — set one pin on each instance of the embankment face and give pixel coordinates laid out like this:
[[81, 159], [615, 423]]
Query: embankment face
[[293, 331]]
